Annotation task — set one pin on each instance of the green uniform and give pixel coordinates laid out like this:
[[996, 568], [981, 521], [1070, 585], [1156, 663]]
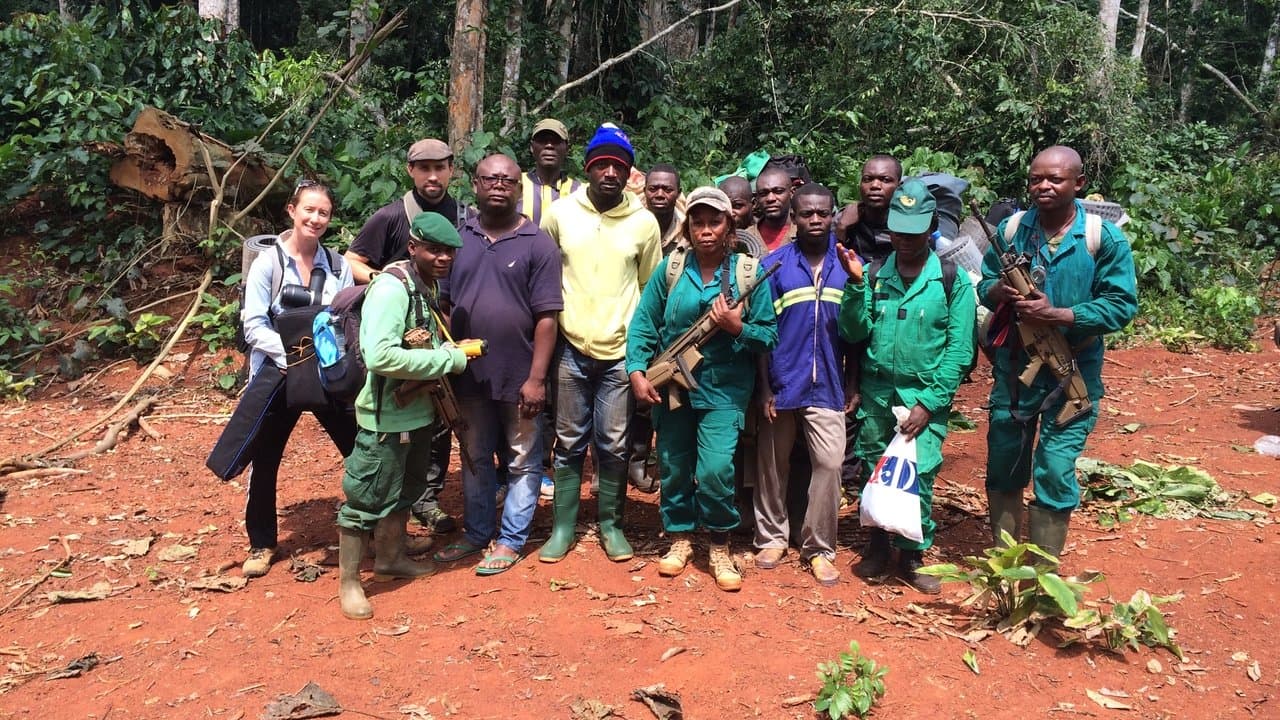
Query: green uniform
[[699, 439], [920, 342], [387, 470], [1100, 289]]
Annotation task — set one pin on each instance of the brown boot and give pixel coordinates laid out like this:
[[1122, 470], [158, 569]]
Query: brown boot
[[677, 558], [350, 592], [874, 564], [390, 561], [725, 569]]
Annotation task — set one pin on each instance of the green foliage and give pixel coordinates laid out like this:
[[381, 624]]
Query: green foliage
[[1018, 581], [1128, 625], [1178, 491], [851, 685], [140, 338], [218, 322], [13, 387]]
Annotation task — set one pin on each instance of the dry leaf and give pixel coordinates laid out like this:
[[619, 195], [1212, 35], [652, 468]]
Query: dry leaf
[[670, 653], [1240, 656], [392, 631], [1154, 667], [796, 700], [1254, 671], [416, 712], [178, 553], [664, 703], [1105, 701], [220, 583], [134, 548], [310, 702], [99, 591], [591, 710], [622, 627]]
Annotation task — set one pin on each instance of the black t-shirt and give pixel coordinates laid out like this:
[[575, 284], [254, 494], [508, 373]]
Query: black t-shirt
[[384, 238], [869, 240]]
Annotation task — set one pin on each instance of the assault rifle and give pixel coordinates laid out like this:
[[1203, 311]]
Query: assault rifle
[[440, 390], [1046, 346], [677, 363]]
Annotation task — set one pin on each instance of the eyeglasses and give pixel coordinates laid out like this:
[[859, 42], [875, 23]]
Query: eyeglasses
[[305, 183], [766, 192], [493, 181]]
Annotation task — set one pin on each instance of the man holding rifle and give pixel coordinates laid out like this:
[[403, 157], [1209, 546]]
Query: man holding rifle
[[1081, 286], [401, 343]]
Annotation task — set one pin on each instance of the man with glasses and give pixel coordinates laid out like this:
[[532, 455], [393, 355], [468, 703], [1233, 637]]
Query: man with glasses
[[384, 239], [505, 288], [610, 246]]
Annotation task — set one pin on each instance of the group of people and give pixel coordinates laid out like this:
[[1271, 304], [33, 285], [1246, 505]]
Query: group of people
[[800, 328]]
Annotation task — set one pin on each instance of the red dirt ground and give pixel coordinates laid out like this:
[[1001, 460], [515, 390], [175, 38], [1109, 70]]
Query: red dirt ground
[[531, 642]]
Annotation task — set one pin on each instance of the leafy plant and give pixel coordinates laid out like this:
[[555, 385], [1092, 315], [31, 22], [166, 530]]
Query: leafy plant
[[218, 322], [13, 387], [850, 685], [1177, 491], [1129, 624], [1017, 581]]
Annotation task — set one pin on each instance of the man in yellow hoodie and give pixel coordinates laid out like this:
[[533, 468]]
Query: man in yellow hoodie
[[610, 245]]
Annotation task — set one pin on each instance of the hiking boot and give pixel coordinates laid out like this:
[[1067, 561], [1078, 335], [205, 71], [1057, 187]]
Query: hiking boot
[[724, 569], [390, 560], [909, 562], [351, 596], [874, 564], [770, 558], [677, 558], [436, 520], [824, 571], [258, 562]]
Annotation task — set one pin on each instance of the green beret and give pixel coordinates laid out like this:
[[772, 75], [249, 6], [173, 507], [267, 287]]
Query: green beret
[[433, 227]]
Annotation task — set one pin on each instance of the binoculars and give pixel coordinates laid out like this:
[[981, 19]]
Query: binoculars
[[296, 296]]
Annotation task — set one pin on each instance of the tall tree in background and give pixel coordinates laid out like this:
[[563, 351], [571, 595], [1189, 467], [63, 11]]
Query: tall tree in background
[[508, 100], [466, 72], [228, 11]]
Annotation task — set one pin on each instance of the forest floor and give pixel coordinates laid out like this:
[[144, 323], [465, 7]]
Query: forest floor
[[146, 526]]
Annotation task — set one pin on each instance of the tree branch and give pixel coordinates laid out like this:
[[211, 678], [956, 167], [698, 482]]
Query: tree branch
[[602, 67]]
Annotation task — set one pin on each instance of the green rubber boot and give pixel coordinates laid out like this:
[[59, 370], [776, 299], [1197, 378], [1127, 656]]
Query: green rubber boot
[[609, 503], [1005, 512], [350, 592], [1049, 530], [565, 516]]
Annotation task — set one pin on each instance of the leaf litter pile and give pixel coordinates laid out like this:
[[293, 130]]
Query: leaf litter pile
[[1178, 492]]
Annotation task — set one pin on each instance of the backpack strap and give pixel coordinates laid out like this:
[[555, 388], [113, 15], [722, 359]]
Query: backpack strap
[[744, 272], [1092, 233], [675, 266], [411, 209], [948, 278], [277, 275]]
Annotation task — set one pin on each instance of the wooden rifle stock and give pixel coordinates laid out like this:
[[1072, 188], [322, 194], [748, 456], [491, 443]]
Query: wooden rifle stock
[[1046, 346], [677, 362]]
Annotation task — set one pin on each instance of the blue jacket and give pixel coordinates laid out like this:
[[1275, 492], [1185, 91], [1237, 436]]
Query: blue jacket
[[807, 368]]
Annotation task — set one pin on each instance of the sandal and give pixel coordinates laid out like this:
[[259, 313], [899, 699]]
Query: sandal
[[504, 563], [454, 552]]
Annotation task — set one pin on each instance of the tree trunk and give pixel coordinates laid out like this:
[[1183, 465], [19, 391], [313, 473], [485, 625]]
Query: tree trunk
[[64, 11], [1192, 59], [1109, 17], [359, 27], [1269, 52], [564, 13], [466, 72], [228, 11], [508, 101], [1140, 34]]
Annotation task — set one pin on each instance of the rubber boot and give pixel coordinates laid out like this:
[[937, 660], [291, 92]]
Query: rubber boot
[[1005, 512], [609, 505], [909, 561], [565, 515], [1049, 530], [875, 557], [390, 562], [350, 592]]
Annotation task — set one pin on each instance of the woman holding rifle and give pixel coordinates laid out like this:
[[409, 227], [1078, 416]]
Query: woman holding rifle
[[697, 430]]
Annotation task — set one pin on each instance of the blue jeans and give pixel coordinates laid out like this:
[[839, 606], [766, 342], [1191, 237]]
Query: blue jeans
[[593, 406], [494, 426]]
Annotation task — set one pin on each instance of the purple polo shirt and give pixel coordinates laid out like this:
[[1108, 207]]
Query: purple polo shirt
[[495, 289]]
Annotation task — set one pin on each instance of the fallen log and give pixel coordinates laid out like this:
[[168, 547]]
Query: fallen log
[[162, 160]]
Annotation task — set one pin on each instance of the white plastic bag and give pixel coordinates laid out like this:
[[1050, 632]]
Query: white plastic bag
[[891, 499]]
